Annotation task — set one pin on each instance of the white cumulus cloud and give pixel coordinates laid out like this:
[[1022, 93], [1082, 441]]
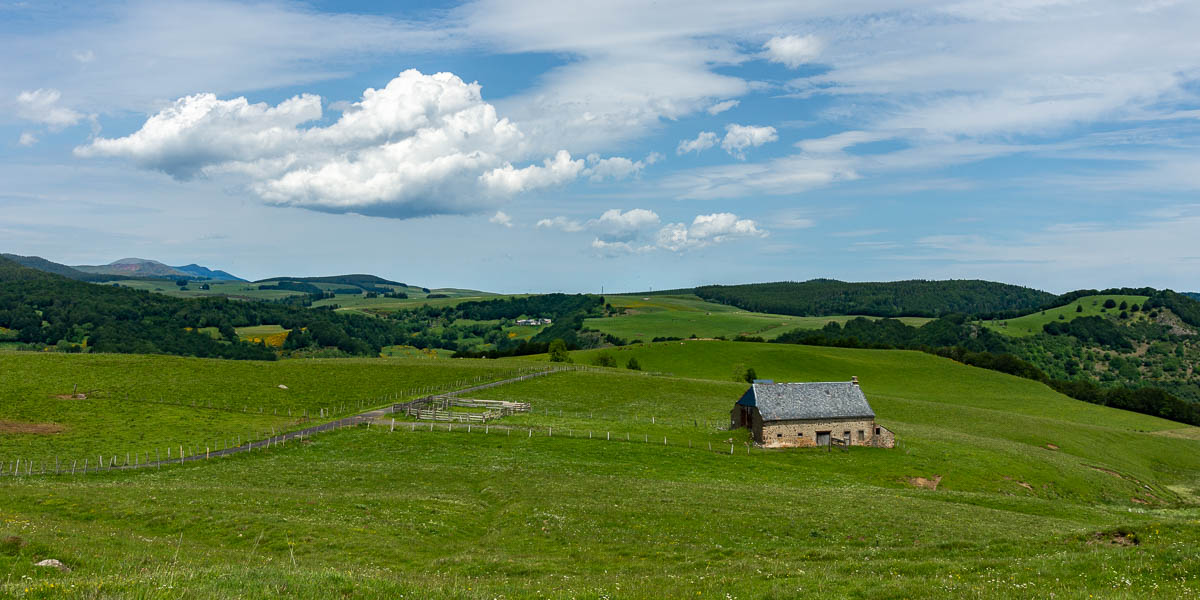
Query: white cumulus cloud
[[704, 141], [738, 138], [42, 106], [793, 50], [640, 230], [27, 139], [706, 230], [422, 145]]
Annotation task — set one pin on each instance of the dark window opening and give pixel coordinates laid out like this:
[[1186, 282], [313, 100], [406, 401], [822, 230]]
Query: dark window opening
[[779, 435], [876, 431]]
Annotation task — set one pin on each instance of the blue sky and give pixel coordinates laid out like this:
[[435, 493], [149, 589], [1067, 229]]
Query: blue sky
[[514, 146]]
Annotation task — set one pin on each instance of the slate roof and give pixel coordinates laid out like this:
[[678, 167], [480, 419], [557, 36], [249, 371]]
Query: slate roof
[[824, 400]]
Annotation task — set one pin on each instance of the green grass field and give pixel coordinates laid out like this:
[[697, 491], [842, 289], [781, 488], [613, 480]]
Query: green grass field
[[362, 304], [1093, 306], [683, 316], [232, 289], [140, 403], [1038, 494]]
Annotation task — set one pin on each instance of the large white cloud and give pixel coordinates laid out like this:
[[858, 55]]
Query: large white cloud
[[424, 144]]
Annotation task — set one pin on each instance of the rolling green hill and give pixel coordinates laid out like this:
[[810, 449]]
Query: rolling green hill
[[915, 298], [999, 488], [647, 317], [1087, 306]]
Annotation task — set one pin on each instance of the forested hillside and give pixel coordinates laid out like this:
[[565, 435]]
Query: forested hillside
[[1145, 359], [914, 298], [45, 309]]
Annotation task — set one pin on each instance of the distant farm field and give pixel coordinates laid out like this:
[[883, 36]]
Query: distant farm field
[[361, 303], [649, 317], [232, 289], [1088, 306]]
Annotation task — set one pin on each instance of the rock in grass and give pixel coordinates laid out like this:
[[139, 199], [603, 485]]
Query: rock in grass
[[51, 562]]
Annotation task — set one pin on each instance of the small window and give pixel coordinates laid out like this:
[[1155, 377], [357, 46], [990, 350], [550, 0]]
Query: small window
[[800, 434], [779, 435], [846, 435], [876, 431]]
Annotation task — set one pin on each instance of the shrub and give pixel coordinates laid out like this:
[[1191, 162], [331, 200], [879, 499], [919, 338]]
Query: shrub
[[633, 364], [604, 359]]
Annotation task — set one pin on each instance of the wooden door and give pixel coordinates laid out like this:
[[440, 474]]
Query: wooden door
[[823, 438]]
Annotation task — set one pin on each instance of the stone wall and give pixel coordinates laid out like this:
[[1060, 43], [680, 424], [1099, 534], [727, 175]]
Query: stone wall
[[885, 438], [801, 433]]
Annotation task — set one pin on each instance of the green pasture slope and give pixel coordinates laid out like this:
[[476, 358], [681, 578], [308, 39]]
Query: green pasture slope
[[231, 289], [137, 403], [362, 304], [1093, 306], [682, 316], [1038, 494]]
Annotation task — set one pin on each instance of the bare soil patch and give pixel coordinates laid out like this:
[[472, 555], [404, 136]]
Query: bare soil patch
[[921, 482], [1051, 447], [31, 428], [71, 396], [1115, 537]]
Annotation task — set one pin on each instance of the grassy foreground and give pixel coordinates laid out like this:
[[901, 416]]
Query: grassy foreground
[[1000, 488]]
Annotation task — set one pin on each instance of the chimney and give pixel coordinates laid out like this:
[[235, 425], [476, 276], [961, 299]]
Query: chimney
[[854, 380]]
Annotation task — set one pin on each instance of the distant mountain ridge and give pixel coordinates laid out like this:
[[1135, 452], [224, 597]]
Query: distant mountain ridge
[[125, 268], [1192, 295], [47, 266], [216, 275], [135, 267]]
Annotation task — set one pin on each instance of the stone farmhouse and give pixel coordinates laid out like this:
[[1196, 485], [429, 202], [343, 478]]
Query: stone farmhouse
[[784, 415]]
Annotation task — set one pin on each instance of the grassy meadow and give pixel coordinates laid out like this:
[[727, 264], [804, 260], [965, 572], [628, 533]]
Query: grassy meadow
[[1093, 306], [137, 404], [380, 305], [649, 317], [1036, 495], [233, 289]]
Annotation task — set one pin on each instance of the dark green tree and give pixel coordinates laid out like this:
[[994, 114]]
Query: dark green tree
[[558, 351], [633, 364]]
